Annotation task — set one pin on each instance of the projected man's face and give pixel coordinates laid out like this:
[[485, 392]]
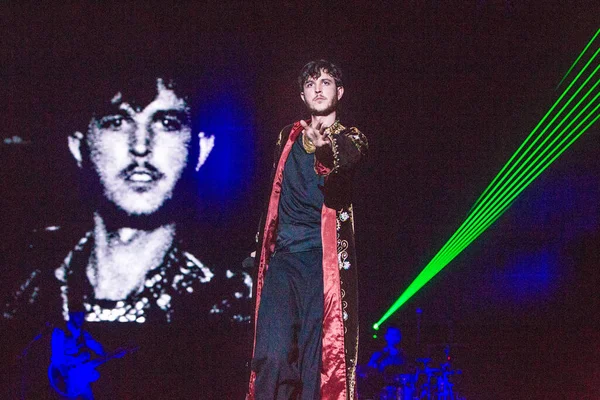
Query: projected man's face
[[321, 95], [139, 153]]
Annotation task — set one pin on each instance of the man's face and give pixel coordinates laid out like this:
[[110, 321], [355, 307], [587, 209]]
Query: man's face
[[321, 95], [139, 153]]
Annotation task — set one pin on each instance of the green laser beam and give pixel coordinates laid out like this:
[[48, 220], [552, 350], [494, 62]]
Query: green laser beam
[[515, 182], [577, 60], [432, 269], [485, 202], [522, 188], [496, 208], [507, 185], [497, 212], [531, 134], [498, 188]]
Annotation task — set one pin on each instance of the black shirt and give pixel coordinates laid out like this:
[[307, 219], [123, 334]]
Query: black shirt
[[300, 204]]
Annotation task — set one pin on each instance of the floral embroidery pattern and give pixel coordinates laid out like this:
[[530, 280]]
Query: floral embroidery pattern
[[345, 314], [343, 262], [359, 140], [344, 216]]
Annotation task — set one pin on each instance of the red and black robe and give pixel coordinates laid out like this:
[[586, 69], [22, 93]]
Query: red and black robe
[[340, 319]]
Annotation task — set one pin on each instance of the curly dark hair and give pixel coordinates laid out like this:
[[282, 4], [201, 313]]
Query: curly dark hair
[[313, 69]]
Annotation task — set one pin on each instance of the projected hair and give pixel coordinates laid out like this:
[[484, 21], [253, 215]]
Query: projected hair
[[313, 70], [138, 91]]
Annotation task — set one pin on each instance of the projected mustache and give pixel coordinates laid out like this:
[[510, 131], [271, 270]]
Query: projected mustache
[[146, 170]]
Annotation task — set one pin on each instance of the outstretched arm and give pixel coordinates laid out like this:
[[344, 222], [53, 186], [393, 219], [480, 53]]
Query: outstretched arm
[[344, 152], [338, 163]]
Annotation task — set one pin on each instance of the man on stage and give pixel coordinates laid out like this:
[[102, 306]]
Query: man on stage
[[306, 328]]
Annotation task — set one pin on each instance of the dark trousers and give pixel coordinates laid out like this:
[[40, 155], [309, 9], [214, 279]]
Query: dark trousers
[[287, 356]]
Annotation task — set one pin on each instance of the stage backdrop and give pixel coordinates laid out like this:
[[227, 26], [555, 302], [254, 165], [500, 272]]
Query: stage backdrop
[[137, 135]]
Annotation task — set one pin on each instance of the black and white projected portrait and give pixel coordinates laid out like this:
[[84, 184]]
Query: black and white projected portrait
[[130, 266], [123, 286]]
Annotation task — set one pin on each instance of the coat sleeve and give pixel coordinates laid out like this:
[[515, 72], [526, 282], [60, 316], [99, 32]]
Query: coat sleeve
[[347, 150], [338, 162]]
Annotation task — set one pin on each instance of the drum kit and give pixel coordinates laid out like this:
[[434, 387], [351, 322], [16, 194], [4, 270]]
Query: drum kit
[[422, 382], [388, 377]]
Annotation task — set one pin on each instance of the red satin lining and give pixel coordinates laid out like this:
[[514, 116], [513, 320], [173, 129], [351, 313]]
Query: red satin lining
[[320, 168], [333, 372], [268, 244]]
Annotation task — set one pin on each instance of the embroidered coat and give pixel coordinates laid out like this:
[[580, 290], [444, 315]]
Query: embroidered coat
[[340, 320]]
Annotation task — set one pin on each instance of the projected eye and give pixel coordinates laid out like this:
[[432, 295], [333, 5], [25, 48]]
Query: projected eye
[[171, 123], [308, 84], [111, 122]]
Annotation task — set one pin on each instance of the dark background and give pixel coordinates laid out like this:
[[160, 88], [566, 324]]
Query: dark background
[[445, 92]]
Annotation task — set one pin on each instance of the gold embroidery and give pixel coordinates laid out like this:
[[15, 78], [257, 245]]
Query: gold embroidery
[[308, 145], [335, 128], [359, 140], [280, 137], [336, 154], [351, 214]]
